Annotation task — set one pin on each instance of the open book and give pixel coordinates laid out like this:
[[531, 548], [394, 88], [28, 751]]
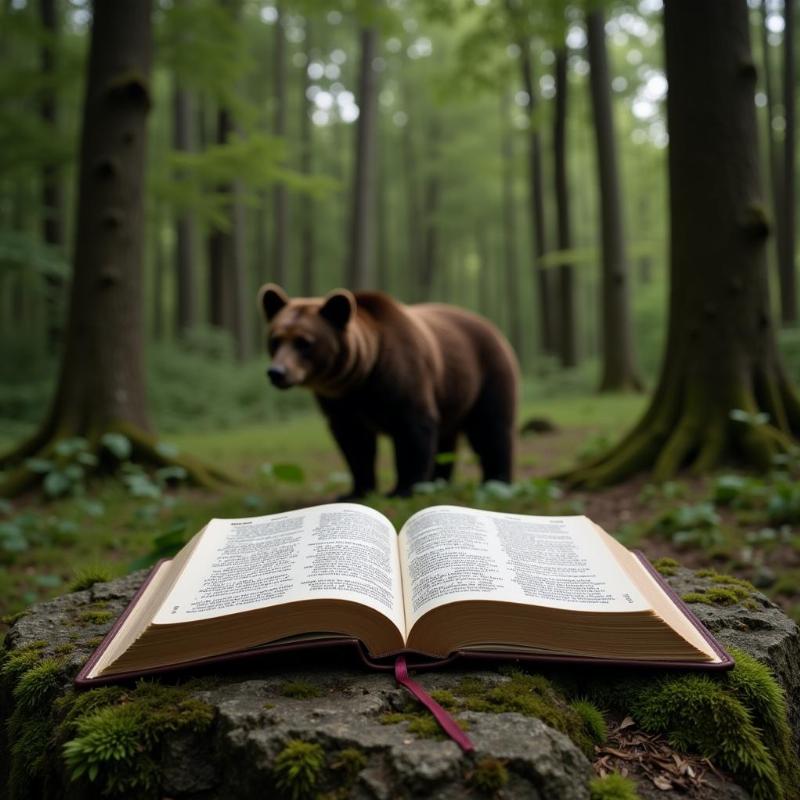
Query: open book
[[454, 581]]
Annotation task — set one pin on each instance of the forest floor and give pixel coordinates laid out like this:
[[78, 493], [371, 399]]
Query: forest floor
[[731, 522]]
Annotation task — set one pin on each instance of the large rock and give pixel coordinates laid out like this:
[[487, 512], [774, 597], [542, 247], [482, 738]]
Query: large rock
[[259, 708]]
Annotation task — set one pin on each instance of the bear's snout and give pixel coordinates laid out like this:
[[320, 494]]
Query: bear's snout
[[278, 377]]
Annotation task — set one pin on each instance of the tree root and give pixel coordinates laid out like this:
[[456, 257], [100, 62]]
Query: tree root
[[145, 450]]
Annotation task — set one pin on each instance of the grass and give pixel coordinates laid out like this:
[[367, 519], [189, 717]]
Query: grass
[[68, 538]]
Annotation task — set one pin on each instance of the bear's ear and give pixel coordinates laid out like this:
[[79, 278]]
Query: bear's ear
[[271, 299], [338, 307]]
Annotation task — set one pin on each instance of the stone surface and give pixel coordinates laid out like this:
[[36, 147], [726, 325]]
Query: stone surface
[[764, 632], [255, 720]]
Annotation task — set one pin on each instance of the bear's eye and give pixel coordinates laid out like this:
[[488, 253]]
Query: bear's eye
[[301, 344], [273, 344]]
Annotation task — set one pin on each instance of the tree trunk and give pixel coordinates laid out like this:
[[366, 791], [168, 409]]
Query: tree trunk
[[619, 370], [721, 354], [360, 267], [52, 181], [567, 335], [280, 197], [101, 384], [787, 266], [159, 283], [536, 179], [307, 167], [413, 221], [510, 229], [241, 315], [383, 249], [429, 265], [773, 157], [183, 120], [220, 243]]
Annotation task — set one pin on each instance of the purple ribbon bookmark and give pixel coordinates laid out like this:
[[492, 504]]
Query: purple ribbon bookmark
[[447, 723]]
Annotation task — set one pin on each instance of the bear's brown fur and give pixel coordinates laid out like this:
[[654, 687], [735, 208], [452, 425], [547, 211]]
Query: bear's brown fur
[[422, 374]]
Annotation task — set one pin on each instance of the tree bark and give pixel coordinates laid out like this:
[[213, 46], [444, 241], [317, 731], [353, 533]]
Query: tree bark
[[52, 180], [619, 372], [510, 229], [773, 156], [721, 353], [307, 249], [567, 334], [536, 180], [787, 269], [280, 197], [430, 262], [360, 267], [183, 121], [219, 245]]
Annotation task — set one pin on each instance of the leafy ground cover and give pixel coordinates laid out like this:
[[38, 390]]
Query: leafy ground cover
[[733, 523]]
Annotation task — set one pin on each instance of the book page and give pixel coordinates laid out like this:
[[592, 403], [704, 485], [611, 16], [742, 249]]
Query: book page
[[450, 554], [340, 551]]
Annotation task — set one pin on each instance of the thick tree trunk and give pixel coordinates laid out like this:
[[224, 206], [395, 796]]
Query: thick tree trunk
[[567, 321], [101, 384], [360, 266], [619, 370], [52, 180], [536, 179], [307, 249], [510, 230], [280, 197], [430, 263], [773, 157], [721, 348], [183, 120], [787, 269]]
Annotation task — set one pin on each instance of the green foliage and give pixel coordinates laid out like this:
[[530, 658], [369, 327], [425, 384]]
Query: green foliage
[[299, 690], [594, 723], [349, 762], [37, 684], [697, 525], [613, 787], [297, 769], [666, 566], [87, 577], [488, 776]]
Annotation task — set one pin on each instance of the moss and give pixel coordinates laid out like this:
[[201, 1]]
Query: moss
[[705, 573], [95, 641], [594, 723], [666, 566], [38, 685], [420, 723], [613, 787], [698, 714], [533, 696], [348, 763], [445, 699], [297, 769], [64, 649], [732, 580], [489, 776], [111, 736], [96, 617], [10, 619], [88, 577], [268, 706], [299, 690], [718, 596], [17, 662]]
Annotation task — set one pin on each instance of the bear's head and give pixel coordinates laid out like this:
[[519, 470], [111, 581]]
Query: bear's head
[[305, 335]]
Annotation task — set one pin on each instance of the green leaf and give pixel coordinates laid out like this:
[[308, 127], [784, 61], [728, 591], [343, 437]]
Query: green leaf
[[39, 465], [289, 473], [118, 445], [56, 483], [445, 458], [167, 450]]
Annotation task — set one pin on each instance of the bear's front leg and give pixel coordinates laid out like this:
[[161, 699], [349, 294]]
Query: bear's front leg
[[414, 454], [358, 445]]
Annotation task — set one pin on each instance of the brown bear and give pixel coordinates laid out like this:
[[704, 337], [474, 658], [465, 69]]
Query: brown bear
[[421, 374]]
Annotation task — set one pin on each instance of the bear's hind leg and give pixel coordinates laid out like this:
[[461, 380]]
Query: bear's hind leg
[[490, 432]]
